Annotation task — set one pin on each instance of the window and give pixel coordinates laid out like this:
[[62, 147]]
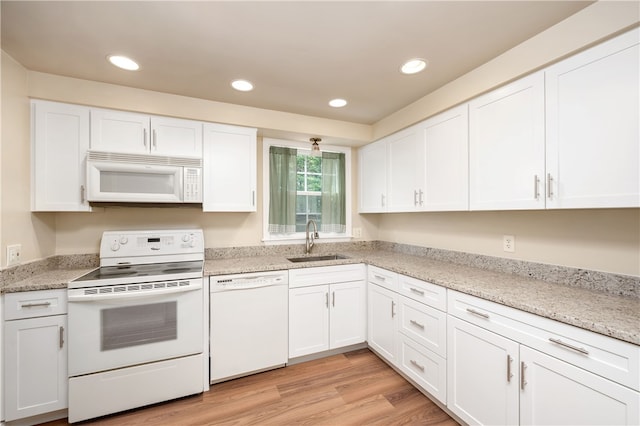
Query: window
[[299, 187]]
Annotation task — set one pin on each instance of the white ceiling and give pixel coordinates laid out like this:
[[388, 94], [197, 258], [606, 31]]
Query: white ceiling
[[299, 54]]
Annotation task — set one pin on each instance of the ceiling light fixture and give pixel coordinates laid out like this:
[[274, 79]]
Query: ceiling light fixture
[[242, 85], [123, 62], [315, 148], [337, 103], [414, 66]]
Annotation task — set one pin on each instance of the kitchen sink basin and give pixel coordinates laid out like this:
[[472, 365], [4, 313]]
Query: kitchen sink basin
[[316, 258]]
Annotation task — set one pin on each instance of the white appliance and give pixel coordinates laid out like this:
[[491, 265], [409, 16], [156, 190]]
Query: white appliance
[[136, 333], [142, 178], [249, 323]]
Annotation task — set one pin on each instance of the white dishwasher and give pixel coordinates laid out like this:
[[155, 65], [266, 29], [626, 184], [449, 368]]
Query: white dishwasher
[[249, 323]]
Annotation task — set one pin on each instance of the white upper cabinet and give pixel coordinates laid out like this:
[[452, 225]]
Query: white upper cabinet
[[126, 132], [405, 172], [592, 127], [372, 189], [59, 142], [506, 147], [229, 168], [445, 138]]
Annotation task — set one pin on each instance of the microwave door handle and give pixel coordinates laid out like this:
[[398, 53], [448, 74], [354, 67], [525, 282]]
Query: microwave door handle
[[130, 295]]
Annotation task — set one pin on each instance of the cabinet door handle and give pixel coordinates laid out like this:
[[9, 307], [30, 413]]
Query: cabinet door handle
[[509, 374], [326, 299], [523, 382], [536, 187], [333, 299], [567, 345], [155, 139], [379, 277], [253, 198], [144, 137], [393, 309], [480, 314], [420, 198], [417, 291], [415, 363], [549, 186], [61, 337], [382, 199], [36, 305], [415, 198], [417, 324], [82, 199]]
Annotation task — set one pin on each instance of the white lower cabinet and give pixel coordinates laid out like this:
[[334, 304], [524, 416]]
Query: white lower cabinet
[[35, 353], [509, 367], [382, 321], [327, 308]]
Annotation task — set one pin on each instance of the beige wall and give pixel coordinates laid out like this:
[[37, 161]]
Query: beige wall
[[36, 233], [598, 239]]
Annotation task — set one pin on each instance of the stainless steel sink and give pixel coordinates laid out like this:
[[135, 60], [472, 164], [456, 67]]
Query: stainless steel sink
[[316, 258]]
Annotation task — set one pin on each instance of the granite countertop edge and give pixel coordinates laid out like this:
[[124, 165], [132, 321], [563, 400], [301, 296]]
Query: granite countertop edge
[[597, 311]]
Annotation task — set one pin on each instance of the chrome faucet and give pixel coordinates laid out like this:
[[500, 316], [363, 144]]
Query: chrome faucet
[[311, 235]]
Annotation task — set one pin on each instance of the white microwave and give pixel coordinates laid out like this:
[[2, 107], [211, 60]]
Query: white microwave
[[133, 178]]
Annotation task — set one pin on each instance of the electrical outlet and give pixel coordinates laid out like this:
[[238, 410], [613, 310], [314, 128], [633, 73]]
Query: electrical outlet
[[13, 254], [357, 232], [509, 243]]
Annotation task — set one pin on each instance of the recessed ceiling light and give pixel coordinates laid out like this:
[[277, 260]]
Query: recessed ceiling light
[[242, 85], [337, 103], [413, 66], [123, 62]]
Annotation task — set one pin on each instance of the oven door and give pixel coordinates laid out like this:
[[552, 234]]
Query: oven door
[[128, 182], [118, 326]]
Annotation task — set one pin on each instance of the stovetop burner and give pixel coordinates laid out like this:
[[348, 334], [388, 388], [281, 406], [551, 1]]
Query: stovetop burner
[[109, 275]]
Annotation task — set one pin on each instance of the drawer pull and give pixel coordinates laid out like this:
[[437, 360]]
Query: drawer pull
[[480, 314], [417, 324], [523, 382], [509, 373], [567, 345], [379, 277], [36, 305], [415, 363], [415, 290]]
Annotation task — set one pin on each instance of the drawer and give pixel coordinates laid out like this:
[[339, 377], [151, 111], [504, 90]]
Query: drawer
[[382, 277], [424, 324], [422, 291], [608, 357], [305, 277], [31, 304], [427, 369]]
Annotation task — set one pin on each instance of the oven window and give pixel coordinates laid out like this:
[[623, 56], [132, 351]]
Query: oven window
[[138, 325]]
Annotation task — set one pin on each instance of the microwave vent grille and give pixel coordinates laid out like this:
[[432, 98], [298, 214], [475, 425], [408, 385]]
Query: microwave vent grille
[[157, 160]]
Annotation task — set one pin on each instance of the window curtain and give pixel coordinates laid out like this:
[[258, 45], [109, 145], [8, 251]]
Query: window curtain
[[282, 190], [334, 214]]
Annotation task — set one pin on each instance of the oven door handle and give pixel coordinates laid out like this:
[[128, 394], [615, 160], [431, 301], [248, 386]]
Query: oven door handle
[[129, 295]]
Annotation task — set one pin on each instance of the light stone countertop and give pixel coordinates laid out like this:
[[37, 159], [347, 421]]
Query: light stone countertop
[[49, 280], [593, 310]]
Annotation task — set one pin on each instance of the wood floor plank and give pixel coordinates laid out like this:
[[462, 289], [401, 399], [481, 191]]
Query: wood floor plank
[[355, 388]]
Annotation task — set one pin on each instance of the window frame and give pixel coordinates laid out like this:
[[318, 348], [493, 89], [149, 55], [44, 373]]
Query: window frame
[[269, 238]]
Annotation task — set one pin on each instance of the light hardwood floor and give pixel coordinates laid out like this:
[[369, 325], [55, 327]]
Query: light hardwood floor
[[355, 388]]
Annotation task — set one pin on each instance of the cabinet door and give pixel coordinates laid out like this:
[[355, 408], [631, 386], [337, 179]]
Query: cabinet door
[[347, 320], [557, 393], [446, 141], [308, 320], [593, 129], [176, 138], [405, 172], [372, 165], [59, 142], [117, 131], [383, 321], [506, 147], [482, 376], [229, 168], [35, 356]]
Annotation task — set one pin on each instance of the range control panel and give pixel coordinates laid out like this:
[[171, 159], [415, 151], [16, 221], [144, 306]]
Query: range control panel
[[123, 244]]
